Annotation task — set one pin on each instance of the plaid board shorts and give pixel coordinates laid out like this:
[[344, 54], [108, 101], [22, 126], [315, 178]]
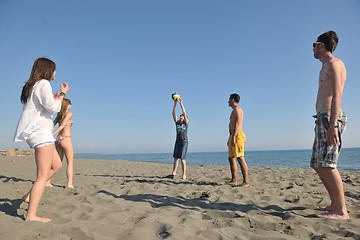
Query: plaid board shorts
[[324, 155]]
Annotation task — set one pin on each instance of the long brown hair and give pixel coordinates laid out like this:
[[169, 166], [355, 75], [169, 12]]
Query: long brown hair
[[43, 68], [60, 116]]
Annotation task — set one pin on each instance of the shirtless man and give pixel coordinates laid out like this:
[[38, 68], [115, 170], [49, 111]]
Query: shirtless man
[[236, 142], [330, 123]]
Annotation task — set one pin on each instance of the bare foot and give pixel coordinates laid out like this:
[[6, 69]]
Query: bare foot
[[333, 215], [39, 219], [232, 183], [328, 208], [70, 186], [26, 198], [183, 177], [49, 185], [244, 184]]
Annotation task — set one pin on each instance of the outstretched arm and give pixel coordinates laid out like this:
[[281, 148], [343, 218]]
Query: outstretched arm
[[183, 111], [174, 111]]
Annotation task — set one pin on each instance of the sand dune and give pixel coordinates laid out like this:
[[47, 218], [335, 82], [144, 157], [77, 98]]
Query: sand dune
[[132, 200]]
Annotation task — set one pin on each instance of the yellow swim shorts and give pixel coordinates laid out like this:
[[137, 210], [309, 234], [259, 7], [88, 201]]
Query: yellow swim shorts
[[237, 150]]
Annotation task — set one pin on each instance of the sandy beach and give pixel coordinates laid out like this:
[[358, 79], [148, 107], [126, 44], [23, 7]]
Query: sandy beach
[[132, 200]]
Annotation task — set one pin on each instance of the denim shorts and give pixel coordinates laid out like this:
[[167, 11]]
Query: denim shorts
[[180, 149]]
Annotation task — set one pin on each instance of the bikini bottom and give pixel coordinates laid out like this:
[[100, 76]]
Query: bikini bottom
[[60, 138]]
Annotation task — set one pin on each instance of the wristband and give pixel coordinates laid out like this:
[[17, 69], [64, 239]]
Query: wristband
[[333, 126], [62, 94]]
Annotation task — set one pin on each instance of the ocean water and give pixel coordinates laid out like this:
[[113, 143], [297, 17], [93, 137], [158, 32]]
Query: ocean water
[[349, 158]]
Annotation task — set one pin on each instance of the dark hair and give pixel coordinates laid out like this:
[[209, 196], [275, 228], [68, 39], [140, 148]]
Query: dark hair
[[43, 68], [330, 40], [236, 97]]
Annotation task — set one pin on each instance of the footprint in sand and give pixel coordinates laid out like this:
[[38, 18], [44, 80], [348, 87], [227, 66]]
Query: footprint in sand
[[199, 195]]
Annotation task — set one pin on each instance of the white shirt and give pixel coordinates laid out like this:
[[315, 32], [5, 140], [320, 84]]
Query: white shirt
[[37, 111]]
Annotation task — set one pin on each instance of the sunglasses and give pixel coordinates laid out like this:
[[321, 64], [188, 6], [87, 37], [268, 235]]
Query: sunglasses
[[315, 43]]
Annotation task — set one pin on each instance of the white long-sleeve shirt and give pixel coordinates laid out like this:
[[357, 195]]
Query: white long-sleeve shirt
[[37, 111]]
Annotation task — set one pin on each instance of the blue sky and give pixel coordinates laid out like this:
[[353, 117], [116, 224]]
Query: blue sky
[[123, 59]]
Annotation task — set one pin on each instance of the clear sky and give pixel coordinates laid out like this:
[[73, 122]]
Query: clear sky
[[123, 59]]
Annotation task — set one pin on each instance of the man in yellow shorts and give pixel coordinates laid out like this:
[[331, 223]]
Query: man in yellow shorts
[[236, 142]]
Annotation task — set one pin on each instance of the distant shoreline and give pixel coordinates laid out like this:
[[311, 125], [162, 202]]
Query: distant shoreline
[[283, 158], [204, 152]]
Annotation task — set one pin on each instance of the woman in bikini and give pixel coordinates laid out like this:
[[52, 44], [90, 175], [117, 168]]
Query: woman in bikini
[[63, 142]]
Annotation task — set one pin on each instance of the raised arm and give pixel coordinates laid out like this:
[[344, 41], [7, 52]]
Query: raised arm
[[64, 90], [63, 123], [183, 111], [174, 111]]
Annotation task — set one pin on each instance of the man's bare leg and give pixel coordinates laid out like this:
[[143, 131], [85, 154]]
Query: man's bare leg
[[332, 180], [183, 164], [244, 171], [326, 184], [233, 169], [43, 158]]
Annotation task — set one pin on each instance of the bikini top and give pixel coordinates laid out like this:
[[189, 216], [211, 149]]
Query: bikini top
[[70, 124]]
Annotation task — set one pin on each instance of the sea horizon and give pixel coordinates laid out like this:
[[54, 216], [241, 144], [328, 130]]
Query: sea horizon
[[266, 150], [298, 158]]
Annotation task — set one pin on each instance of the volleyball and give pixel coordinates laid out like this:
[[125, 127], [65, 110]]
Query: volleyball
[[175, 96]]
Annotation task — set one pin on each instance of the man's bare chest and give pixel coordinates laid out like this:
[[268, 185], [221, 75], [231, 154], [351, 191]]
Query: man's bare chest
[[232, 116], [322, 77]]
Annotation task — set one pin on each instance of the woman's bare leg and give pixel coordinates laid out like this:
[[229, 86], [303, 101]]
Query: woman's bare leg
[[55, 167], [43, 158], [56, 164], [175, 166], [69, 153], [183, 164]]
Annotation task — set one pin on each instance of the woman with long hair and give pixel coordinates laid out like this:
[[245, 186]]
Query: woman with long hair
[[63, 140], [35, 127]]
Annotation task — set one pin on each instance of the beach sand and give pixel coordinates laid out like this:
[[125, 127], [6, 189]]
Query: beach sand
[[132, 200]]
